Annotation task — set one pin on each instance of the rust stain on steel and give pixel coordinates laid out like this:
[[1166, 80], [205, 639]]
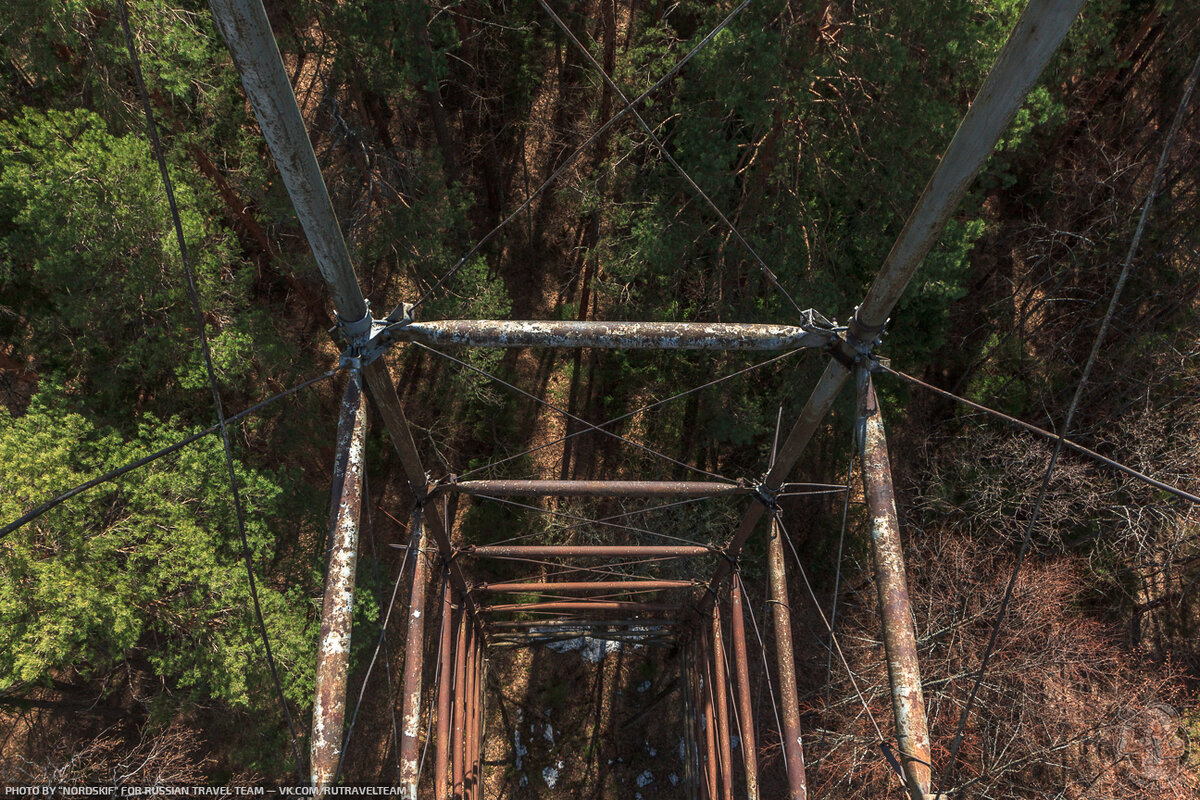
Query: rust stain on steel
[[583, 605], [612, 551], [899, 637], [581, 586], [441, 762], [414, 663], [708, 720], [337, 611], [471, 772], [458, 742], [613, 335], [580, 624], [523, 488], [720, 689], [786, 666], [742, 670]]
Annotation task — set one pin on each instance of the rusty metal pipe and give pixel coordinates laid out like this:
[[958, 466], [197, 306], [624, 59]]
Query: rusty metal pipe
[[721, 693], [582, 624], [741, 667], [710, 735], [583, 605], [899, 636], [538, 488], [414, 664], [585, 551], [617, 335], [460, 693], [445, 683], [469, 720], [581, 586], [337, 610], [789, 697]]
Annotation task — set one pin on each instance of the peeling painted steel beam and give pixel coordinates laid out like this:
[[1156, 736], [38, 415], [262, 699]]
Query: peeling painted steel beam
[[471, 772], [721, 693], [337, 611], [534, 488], [1039, 30], [247, 33], [582, 625], [741, 667], [899, 635], [441, 764], [786, 666], [612, 335], [713, 767], [585, 551], [458, 741], [581, 586], [414, 663], [1035, 37], [583, 605]]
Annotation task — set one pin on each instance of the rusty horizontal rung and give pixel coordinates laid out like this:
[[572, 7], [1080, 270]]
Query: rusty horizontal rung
[[617, 335], [582, 605], [585, 551], [539, 488], [582, 586], [654, 625]]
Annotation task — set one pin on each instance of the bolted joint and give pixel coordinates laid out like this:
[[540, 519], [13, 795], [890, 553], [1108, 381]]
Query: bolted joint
[[368, 338], [765, 496]]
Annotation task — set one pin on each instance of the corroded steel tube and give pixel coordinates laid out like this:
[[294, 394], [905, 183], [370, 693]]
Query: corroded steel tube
[[532, 488], [414, 664], [742, 669], [458, 742], [612, 335], [790, 700], [583, 605], [337, 611], [580, 586], [899, 637], [721, 693], [712, 764], [445, 682], [470, 767], [585, 551]]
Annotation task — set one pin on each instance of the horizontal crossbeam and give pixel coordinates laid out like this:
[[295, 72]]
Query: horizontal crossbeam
[[535, 488], [582, 605], [611, 335], [582, 586], [584, 551]]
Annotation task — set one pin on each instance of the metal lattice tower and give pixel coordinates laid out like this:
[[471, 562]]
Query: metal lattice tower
[[700, 619]]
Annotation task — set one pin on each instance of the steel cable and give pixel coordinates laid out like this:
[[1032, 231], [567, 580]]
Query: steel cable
[[1126, 269], [34, 513], [771, 277], [194, 297], [398, 312], [633, 413], [571, 416]]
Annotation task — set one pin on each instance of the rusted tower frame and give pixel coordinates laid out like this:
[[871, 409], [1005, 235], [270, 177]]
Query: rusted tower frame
[[441, 765], [786, 666], [742, 669], [720, 690], [585, 488], [337, 611], [899, 635]]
